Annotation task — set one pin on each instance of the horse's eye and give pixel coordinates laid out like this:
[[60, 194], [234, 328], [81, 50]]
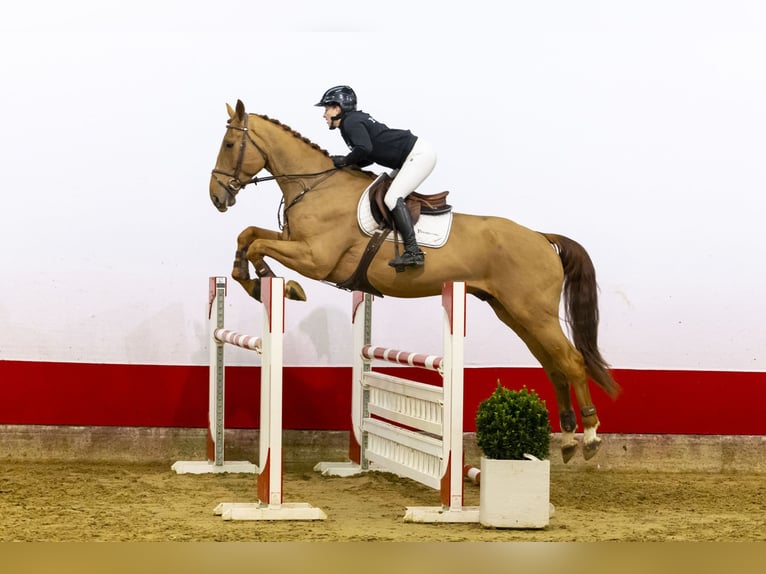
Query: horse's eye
[[229, 145]]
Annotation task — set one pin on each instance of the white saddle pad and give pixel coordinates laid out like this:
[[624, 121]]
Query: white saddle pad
[[430, 230]]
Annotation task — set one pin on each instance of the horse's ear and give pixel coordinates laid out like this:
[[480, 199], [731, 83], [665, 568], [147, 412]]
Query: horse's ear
[[230, 110], [240, 110]]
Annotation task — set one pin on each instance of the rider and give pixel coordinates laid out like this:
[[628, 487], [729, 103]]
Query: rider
[[411, 158]]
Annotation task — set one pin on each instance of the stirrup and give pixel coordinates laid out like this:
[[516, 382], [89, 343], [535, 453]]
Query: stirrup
[[408, 259]]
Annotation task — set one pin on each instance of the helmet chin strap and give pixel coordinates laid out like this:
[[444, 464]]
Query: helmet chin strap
[[334, 119]]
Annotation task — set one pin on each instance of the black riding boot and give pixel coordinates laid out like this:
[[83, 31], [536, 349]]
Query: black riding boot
[[412, 256]]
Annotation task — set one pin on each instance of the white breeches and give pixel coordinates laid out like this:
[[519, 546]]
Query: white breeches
[[415, 169]]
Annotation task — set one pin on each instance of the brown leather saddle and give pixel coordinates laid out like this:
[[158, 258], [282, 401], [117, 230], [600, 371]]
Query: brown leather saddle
[[434, 204], [418, 204]]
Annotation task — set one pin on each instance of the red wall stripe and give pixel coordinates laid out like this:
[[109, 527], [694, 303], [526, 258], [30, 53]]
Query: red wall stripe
[[319, 398]]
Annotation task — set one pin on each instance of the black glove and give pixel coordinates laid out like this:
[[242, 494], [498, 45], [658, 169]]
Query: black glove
[[339, 160]]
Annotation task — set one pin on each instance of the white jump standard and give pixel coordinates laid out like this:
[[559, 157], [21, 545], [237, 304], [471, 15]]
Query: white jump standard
[[215, 426], [382, 405], [270, 346]]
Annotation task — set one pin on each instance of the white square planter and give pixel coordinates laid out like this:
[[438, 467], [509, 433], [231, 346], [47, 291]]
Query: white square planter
[[514, 493]]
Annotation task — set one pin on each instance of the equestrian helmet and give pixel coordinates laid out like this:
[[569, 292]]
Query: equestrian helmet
[[342, 96]]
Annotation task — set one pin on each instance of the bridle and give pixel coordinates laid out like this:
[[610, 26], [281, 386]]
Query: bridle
[[234, 184]]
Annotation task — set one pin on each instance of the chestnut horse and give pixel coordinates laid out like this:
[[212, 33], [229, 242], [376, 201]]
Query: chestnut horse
[[520, 273]]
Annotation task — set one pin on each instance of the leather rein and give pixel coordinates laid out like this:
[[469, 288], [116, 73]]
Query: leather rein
[[234, 185]]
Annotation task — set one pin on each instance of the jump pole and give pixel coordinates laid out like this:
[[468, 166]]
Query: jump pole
[[432, 454]]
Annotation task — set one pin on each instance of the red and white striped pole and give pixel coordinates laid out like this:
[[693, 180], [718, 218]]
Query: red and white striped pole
[[472, 473]]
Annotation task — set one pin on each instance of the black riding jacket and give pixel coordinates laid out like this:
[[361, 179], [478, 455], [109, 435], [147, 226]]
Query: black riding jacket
[[373, 142]]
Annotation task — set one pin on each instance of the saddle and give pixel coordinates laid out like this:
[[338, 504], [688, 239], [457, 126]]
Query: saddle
[[417, 203]]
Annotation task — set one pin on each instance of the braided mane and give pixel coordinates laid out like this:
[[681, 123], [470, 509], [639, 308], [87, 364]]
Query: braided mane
[[293, 132]]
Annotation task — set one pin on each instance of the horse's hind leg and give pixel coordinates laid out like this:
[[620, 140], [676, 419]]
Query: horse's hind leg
[[241, 269], [563, 362], [564, 366], [567, 418]]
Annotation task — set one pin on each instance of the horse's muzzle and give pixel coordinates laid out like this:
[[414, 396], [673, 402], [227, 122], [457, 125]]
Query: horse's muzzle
[[223, 195], [222, 204]]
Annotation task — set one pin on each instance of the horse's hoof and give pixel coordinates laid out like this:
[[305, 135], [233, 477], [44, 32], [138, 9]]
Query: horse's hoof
[[240, 274], [590, 449], [294, 291], [568, 451]]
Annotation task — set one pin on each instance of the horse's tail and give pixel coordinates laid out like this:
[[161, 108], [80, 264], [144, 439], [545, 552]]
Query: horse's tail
[[581, 308]]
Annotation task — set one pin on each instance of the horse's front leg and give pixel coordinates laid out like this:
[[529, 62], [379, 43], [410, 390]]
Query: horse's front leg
[[242, 259], [241, 269], [296, 255]]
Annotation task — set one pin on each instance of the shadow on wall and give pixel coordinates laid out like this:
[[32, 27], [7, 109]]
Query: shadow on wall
[[153, 341], [323, 337]]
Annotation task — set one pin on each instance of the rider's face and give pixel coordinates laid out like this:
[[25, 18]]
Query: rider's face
[[329, 113]]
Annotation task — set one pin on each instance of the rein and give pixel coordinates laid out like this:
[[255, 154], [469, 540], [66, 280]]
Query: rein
[[327, 174], [235, 185]]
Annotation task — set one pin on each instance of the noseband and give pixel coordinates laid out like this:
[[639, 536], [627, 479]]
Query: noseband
[[234, 184]]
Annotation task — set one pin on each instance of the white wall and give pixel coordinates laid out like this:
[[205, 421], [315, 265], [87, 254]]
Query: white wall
[[636, 128]]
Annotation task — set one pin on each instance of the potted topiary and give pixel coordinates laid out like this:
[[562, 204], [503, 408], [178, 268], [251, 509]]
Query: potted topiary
[[513, 431]]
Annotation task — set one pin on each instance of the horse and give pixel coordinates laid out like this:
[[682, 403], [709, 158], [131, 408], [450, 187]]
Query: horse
[[521, 273]]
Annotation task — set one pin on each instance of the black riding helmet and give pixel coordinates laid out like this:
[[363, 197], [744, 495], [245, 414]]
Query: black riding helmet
[[342, 96]]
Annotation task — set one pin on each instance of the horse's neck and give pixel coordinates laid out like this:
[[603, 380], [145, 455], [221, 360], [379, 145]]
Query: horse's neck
[[288, 153]]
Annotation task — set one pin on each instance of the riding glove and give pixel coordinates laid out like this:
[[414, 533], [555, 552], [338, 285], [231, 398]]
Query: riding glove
[[339, 161]]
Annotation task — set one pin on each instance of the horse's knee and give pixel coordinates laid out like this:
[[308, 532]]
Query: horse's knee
[[246, 237], [255, 257]]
